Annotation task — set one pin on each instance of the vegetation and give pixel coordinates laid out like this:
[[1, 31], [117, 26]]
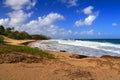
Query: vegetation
[[1, 39], [2, 30], [7, 49], [11, 33], [39, 37], [13, 54]]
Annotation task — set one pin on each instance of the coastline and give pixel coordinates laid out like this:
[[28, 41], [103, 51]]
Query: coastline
[[66, 66]]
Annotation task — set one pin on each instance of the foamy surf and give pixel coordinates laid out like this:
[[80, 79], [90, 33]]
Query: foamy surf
[[88, 48]]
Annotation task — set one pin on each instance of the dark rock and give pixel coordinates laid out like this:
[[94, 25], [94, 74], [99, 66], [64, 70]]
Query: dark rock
[[62, 51], [78, 56]]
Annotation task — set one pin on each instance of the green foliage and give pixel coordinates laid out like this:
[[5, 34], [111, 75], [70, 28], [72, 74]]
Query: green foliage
[[2, 30], [1, 39], [8, 32], [4, 49], [24, 35], [39, 37], [18, 35], [11, 33]]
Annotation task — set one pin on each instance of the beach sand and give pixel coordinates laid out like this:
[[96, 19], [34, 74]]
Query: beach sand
[[64, 67], [16, 42]]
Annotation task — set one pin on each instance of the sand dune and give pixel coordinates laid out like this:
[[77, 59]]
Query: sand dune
[[63, 69]]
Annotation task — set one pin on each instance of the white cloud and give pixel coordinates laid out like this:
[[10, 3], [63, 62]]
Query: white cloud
[[20, 4], [88, 20], [4, 21], [44, 21], [114, 24], [50, 18], [18, 17], [70, 3], [88, 10]]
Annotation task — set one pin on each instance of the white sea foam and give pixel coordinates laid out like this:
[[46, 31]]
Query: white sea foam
[[90, 44], [89, 48]]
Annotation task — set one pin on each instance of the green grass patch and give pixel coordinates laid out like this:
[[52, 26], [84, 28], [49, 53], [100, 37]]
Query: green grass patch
[[6, 49]]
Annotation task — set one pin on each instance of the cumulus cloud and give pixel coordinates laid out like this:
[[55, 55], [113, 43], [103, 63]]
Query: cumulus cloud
[[4, 21], [18, 16], [20, 4], [88, 10], [70, 3], [114, 24], [46, 20], [42, 22], [88, 20], [16, 20]]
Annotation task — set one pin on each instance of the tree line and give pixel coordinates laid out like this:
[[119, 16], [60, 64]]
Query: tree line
[[14, 34]]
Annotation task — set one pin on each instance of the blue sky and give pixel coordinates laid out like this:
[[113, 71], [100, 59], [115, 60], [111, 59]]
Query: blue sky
[[63, 18]]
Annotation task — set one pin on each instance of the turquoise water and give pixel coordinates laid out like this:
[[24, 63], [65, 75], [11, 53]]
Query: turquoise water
[[114, 41]]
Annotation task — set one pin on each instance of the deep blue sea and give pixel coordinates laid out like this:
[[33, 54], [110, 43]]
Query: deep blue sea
[[88, 47], [114, 41]]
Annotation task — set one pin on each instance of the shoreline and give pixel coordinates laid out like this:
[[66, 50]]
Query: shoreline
[[66, 66], [64, 51]]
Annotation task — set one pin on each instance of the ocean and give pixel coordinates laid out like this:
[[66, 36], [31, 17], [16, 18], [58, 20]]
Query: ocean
[[88, 47]]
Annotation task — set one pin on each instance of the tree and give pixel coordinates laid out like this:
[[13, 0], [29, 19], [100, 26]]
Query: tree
[[2, 30], [40, 37], [25, 35], [8, 32]]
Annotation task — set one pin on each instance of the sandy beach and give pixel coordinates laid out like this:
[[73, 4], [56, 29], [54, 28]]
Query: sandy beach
[[66, 66], [63, 69]]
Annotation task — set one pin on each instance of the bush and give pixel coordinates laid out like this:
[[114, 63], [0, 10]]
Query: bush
[[40, 37], [2, 30], [1, 39]]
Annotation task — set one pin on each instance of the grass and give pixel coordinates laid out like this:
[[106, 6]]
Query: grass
[[6, 49]]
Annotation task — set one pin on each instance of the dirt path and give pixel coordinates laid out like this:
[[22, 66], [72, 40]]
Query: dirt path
[[16, 42]]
